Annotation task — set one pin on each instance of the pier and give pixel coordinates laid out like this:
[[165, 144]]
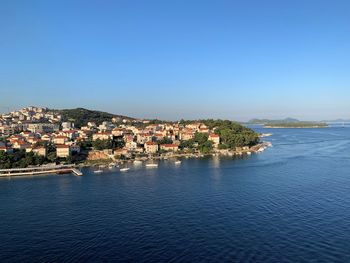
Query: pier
[[40, 170]]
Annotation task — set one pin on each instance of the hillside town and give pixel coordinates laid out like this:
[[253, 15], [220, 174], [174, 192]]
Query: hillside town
[[42, 132]]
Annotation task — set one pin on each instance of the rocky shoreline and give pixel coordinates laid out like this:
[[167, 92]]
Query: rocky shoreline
[[229, 153]]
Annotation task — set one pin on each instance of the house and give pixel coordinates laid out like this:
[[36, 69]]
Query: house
[[194, 126], [40, 151], [169, 147], [144, 137], [7, 130], [63, 150], [118, 131], [42, 127], [122, 151], [128, 137], [15, 138], [151, 147], [60, 139], [46, 137], [20, 144], [214, 138], [27, 134], [186, 136], [67, 125], [105, 126], [130, 145], [71, 134], [203, 130], [159, 136], [102, 136]]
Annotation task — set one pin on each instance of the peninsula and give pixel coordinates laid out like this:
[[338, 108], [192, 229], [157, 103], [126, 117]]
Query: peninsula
[[35, 136]]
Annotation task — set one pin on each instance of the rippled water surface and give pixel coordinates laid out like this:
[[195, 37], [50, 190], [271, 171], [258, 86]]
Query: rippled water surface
[[288, 204]]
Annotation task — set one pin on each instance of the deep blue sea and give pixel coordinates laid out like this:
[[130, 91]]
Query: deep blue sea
[[288, 204]]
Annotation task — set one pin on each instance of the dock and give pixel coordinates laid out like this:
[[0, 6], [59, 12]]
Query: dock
[[41, 170]]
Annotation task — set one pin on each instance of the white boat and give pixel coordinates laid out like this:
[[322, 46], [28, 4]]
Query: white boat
[[249, 153], [112, 165], [137, 162], [152, 165], [124, 169], [261, 149], [177, 162], [98, 171]]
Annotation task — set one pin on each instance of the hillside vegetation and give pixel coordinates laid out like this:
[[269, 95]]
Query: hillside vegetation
[[81, 116]]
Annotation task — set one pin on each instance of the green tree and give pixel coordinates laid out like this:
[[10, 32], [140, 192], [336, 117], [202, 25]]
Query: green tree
[[165, 140]]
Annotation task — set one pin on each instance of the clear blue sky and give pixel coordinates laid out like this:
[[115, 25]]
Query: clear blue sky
[[178, 59]]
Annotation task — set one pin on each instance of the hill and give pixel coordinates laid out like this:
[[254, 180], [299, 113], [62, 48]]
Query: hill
[[81, 116]]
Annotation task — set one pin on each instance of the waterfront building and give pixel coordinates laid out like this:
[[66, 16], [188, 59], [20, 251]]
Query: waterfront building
[[63, 150], [169, 147], [40, 151], [151, 147], [215, 139]]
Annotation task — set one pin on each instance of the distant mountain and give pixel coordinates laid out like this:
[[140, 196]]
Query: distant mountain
[[81, 116], [268, 121]]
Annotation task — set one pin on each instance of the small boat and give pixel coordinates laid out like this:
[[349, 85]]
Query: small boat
[[249, 153], [124, 169], [152, 165], [137, 162], [177, 162], [112, 165], [98, 171]]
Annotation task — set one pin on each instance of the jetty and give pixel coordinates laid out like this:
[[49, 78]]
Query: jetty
[[40, 170]]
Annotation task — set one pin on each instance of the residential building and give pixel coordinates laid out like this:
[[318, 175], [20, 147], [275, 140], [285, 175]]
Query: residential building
[[169, 147], [151, 147], [63, 150]]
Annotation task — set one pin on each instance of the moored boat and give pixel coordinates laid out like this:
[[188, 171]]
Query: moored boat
[[124, 169], [152, 165]]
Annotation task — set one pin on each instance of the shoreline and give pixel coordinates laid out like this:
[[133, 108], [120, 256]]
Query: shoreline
[[221, 153], [74, 168]]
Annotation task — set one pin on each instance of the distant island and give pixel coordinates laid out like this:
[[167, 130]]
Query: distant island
[[300, 124], [288, 123], [338, 121], [269, 121]]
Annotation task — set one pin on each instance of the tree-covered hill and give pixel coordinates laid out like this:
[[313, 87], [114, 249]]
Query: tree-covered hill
[[81, 116]]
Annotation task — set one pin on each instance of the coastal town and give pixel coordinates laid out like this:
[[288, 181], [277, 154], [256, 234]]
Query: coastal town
[[43, 133]]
